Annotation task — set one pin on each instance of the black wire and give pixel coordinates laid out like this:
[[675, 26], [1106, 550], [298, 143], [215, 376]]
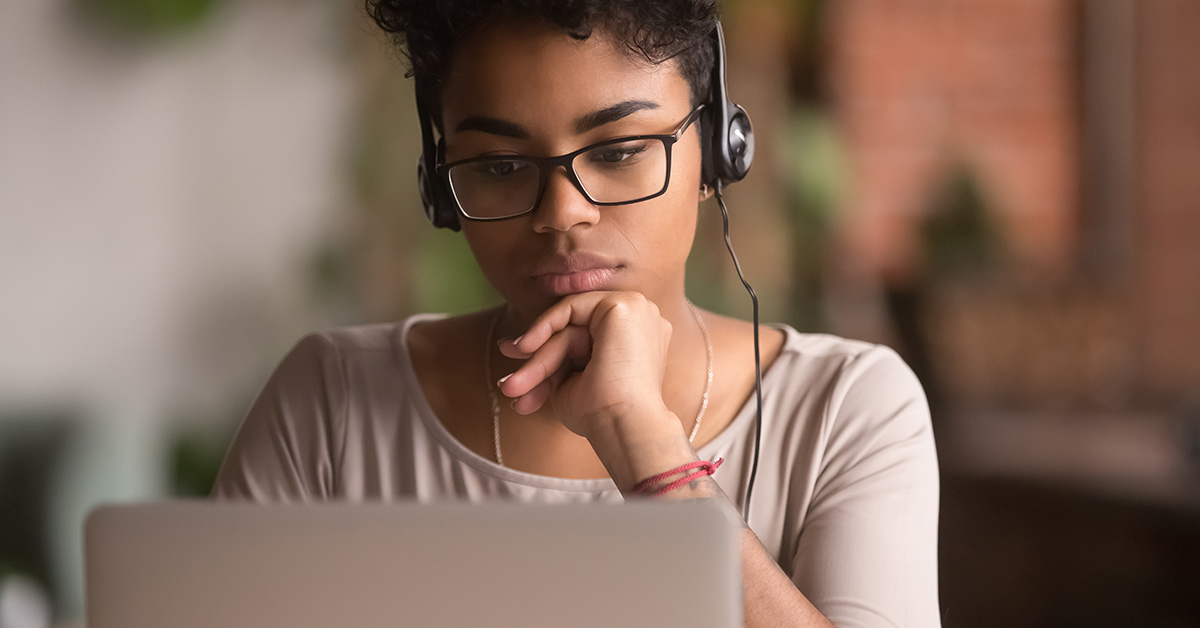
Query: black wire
[[757, 357]]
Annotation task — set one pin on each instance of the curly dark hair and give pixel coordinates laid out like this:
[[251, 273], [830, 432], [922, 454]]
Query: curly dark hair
[[427, 31]]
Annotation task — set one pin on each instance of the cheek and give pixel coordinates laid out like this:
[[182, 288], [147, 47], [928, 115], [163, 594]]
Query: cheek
[[685, 165], [669, 224], [684, 193], [487, 244]]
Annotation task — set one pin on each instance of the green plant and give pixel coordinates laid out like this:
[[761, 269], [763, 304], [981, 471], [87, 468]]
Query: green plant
[[141, 18]]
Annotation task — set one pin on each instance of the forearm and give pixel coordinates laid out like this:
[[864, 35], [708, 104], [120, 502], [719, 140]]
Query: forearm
[[631, 455], [770, 597]]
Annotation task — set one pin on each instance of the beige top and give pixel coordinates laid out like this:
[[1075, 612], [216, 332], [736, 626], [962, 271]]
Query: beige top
[[846, 496]]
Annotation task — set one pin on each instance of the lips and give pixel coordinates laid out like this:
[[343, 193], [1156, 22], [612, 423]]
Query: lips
[[570, 274]]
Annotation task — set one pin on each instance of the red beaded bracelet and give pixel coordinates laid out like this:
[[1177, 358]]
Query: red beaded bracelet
[[646, 487]]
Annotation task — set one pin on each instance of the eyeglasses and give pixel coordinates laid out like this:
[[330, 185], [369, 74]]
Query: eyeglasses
[[618, 171]]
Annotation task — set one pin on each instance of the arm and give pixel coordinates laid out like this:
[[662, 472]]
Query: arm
[[599, 359], [769, 597], [867, 552]]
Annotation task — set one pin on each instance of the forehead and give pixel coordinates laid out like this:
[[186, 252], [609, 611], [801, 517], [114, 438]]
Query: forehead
[[538, 75]]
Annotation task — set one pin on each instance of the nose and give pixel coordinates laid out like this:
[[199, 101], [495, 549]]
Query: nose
[[563, 206]]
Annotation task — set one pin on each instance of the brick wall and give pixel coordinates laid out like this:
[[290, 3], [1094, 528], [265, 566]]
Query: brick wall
[[1030, 95], [921, 84], [1167, 195]]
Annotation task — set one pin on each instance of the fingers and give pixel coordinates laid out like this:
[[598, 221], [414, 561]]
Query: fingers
[[563, 353], [615, 342], [533, 400], [572, 310]]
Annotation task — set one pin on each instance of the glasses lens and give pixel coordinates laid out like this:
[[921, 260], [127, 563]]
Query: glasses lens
[[624, 171], [495, 188]]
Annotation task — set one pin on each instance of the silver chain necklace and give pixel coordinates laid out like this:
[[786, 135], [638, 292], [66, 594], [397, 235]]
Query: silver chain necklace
[[491, 385]]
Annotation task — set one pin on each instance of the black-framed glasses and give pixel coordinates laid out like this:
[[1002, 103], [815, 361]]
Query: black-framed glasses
[[618, 171]]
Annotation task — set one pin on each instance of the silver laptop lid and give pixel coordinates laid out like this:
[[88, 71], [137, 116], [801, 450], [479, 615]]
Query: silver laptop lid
[[198, 564]]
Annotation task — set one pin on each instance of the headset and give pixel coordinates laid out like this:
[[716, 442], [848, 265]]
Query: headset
[[727, 145], [729, 137]]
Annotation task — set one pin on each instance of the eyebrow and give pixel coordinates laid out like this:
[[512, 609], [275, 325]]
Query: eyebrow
[[612, 114], [494, 126], [504, 128]]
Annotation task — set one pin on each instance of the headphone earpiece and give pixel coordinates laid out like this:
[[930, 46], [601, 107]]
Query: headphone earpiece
[[740, 143], [423, 186], [435, 193], [731, 136]]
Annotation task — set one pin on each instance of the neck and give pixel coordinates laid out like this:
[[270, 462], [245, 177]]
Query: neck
[[685, 382]]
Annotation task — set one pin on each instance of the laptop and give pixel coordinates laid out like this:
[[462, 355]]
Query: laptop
[[203, 564]]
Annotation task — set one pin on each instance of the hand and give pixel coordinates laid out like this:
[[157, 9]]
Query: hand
[[597, 357]]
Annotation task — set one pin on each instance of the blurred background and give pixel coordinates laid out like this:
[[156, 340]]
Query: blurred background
[[1006, 191]]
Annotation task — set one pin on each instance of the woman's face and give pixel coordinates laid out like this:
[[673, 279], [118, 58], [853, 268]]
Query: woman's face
[[533, 90]]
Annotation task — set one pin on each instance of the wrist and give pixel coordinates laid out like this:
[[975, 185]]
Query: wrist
[[632, 421], [678, 477], [636, 446]]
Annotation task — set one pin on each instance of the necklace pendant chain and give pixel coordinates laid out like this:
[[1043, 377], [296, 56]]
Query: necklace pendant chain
[[708, 376], [495, 399], [491, 385]]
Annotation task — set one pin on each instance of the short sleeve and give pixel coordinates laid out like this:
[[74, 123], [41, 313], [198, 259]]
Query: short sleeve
[[286, 447], [867, 552]]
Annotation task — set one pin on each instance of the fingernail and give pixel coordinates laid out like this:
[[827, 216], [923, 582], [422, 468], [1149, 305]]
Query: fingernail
[[504, 379], [517, 341], [513, 404]]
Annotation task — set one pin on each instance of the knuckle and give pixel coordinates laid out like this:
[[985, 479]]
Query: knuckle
[[620, 307], [630, 303], [639, 300]]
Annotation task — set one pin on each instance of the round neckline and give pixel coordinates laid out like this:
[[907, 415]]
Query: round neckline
[[741, 422]]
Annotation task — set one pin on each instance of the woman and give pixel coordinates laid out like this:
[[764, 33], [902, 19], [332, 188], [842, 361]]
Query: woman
[[596, 373]]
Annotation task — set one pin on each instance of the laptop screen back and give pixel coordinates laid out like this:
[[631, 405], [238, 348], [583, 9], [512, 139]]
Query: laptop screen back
[[200, 564]]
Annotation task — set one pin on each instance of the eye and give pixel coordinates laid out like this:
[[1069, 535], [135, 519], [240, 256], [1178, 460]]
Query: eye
[[498, 169], [623, 153]]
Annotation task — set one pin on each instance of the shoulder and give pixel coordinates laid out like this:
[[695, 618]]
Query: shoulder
[[874, 419], [373, 337], [356, 345], [861, 393], [330, 368], [844, 364], [292, 442], [836, 349]]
